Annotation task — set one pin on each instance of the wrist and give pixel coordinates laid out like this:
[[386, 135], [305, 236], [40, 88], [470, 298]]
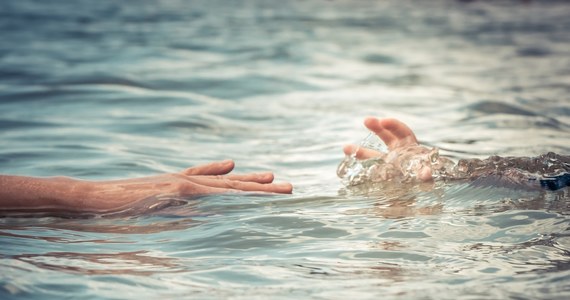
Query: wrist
[[95, 196]]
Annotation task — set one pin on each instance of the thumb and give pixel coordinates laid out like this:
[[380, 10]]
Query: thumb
[[214, 168]]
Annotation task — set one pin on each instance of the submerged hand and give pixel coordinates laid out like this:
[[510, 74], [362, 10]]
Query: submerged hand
[[67, 194], [402, 143]]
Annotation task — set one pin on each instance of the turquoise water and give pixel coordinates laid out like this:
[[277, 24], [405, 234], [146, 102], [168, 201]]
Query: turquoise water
[[106, 89]]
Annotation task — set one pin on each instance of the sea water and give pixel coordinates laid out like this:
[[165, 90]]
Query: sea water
[[105, 90]]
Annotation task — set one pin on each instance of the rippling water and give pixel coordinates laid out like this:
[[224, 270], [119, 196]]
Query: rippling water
[[107, 89]]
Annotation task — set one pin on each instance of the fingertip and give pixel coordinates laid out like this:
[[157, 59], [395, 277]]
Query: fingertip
[[228, 165], [369, 119], [372, 123], [267, 177], [227, 162], [349, 149], [281, 188], [287, 188]]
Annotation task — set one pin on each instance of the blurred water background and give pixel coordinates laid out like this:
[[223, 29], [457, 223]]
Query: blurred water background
[[115, 89]]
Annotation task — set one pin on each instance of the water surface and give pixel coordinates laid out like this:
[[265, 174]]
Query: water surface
[[102, 90]]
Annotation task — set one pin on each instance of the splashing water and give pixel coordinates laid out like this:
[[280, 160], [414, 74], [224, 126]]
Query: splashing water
[[353, 171], [399, 165], [548, 170]]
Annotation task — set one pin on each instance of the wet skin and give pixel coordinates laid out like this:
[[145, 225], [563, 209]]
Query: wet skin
[[21, 193], [401, 141]]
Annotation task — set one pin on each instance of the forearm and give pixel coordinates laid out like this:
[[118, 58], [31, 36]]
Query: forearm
[[22, 193]]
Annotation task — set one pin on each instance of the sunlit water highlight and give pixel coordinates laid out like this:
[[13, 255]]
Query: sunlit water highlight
[[107, 89]]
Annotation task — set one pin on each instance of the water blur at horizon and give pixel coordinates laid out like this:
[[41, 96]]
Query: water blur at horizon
[[106, 89]]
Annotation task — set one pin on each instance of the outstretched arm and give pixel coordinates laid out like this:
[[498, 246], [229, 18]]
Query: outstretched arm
[[20, 193]]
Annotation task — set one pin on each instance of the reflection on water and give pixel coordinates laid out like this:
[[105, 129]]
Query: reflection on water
[[123, 263], [439, 237], [101, 90]]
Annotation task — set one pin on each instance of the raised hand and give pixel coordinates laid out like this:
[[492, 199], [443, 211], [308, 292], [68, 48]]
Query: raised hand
[[403, 147]]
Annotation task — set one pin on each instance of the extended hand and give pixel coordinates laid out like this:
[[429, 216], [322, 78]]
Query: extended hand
[[212, 178]]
